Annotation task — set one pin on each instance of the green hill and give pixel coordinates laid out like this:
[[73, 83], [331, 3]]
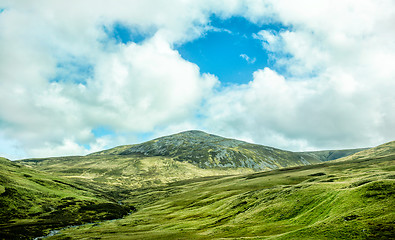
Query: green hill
[[116, 172], [194, 185], [210, 151], [33, 202], [329, 155], [181, 156], [351, 198], [383, 151]]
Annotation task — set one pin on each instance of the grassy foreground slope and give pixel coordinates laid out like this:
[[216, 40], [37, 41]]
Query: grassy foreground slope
[[32, 203], [350, 199]]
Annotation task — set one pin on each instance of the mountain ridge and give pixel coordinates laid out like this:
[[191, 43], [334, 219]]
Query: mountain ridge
[[334, 199], [329, 155], [176, 157], [209, 151], [345, 199]]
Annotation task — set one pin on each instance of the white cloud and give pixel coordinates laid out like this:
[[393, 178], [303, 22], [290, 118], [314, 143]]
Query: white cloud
[[133, 87], [298, 114], [270, 40], [247, 58], [143, 86], [336, 89]]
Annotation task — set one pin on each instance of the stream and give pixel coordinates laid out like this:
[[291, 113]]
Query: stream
[[57, 231]]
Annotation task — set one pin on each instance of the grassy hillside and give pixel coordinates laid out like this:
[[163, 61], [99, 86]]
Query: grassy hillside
[[186, 155], [194, 185], [329, 155], [382, 151], [111, 172], [210, 151], [32, 203], [348, 199]]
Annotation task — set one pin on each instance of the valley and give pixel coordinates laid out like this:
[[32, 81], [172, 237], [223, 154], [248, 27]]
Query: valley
[[334, 200], [34, 202], [195, 185]]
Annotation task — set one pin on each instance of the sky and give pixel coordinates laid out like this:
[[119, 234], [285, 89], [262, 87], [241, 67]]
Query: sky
[[81, 76]]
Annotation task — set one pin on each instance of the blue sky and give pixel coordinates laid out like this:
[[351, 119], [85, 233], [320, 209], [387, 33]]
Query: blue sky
[[219, 50], [296, 76], [122, 33], [230, 50]]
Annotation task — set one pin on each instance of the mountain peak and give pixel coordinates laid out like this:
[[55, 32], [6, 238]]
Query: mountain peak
[[194, 132], [211, 151], [190, 134], [192, 137]]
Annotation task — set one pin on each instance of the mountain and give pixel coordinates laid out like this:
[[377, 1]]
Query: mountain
[[181, 156], [385, 150], [210, 151], [171, 193], [34, 202], [349, 198], [329, 155]]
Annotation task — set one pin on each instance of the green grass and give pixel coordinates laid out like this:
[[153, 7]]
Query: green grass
[[32, 202], [113, 172], [349, 198], [210, 151], [329, 155], [335, 200], [177, 157]]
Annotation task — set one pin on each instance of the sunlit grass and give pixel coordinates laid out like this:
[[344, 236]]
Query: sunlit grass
[[345, 200], [350, 198], [32, 202]]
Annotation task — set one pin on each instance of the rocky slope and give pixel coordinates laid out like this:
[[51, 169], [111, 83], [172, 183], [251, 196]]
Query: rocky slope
[[210, 151], [186, 155]]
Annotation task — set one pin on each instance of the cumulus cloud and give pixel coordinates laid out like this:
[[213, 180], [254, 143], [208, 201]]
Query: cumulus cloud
[[331, 83], [295, 114], [148, 85], [130, 87], [62, 75]]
